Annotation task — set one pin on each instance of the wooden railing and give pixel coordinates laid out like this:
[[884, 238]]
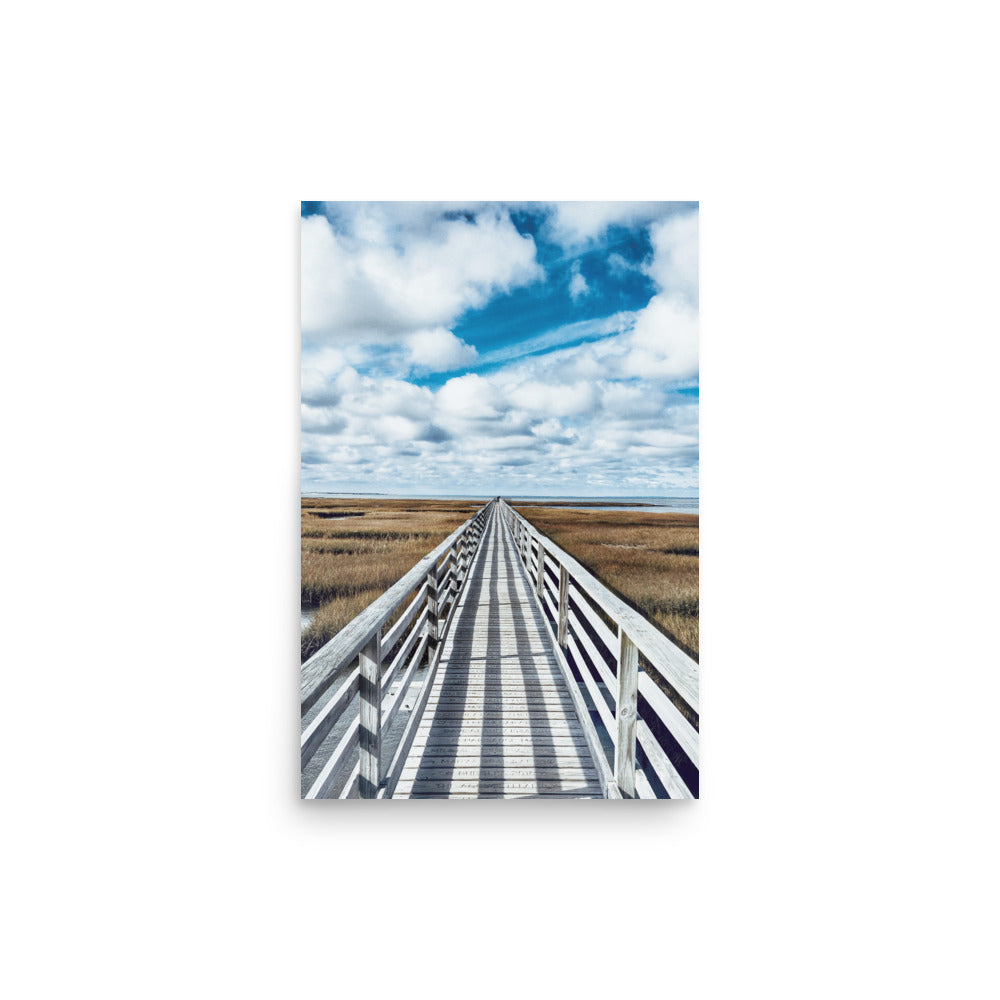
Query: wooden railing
[[640, 689], [426, 597]]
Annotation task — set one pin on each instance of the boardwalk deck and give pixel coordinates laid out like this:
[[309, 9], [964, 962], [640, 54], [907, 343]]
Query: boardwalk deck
[[499, 720]]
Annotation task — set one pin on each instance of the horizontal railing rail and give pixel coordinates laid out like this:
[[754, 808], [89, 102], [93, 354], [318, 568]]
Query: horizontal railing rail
[[371, 663], [641, 689]]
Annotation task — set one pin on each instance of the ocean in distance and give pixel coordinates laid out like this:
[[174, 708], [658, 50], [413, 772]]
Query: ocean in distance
[[649, 505]]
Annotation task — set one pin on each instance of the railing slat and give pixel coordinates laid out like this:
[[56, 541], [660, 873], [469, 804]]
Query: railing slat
[[677, 668], [388, 676], [320, 669], [326, 718], [392, 636], [404, 683]]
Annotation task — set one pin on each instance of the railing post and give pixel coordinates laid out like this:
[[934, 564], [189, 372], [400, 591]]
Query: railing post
[[628, 688], [370, 729], [540, 582], [432, 605], [563, 604]]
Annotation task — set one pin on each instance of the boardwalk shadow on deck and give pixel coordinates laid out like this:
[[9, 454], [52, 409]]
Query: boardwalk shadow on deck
[[516, 686]]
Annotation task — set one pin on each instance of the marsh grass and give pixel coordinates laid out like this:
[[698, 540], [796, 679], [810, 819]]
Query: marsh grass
[[354, 550], [649, 560]]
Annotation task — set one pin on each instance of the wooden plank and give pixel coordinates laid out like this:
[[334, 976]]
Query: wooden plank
[[525, 787], [505, 757], [422, 773], [677, 668], [319, 670], [493, 795], [456, 729], [607, 784], [643, 789], [554, 700], [628, 686], [392, 636], [389, 675], [678, 727], [596, 696], [404, 684], [600, 664], [662, 764], [371, 718], [604, 634], [328, 776], [350, 789], [326, 719], [479, 739], [413, 723]]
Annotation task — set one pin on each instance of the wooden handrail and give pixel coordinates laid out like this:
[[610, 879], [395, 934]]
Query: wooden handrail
[[426, 618], [668, 755]]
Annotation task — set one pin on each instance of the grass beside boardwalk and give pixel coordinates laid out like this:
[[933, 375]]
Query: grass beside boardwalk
[[354, 550], [649, 560]]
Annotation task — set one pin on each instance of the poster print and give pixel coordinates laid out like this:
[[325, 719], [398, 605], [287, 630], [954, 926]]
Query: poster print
[[499, 491]]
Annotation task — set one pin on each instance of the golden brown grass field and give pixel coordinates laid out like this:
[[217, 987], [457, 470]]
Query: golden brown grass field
[[649, 560], [354, 550]]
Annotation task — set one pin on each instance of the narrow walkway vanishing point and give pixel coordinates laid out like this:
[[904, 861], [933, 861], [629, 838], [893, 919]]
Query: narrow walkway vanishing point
[[499, 720], [499, 667]]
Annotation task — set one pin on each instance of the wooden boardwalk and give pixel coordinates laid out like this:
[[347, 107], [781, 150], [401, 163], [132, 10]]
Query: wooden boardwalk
[[499, 721], [499, 667]]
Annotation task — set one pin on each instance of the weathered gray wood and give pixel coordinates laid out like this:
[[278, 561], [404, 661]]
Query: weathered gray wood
[[327, 717], [432, 609], [389, 715], [569, 787], [643, 789], [417, 632], [320, 669], [628, 687], [413, 723], [563, 604], [600, 664], [498, 693], [600, 703], [350, 788], [448, 771], [371, 719], [677, 668], [607, 785], [326, 780], [604, 635], [392, 636], [540, 574], [477, 738], [662, 657], [681, 730], [662, 764]]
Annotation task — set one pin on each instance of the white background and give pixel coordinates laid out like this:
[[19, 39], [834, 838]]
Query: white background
[[154, 843]]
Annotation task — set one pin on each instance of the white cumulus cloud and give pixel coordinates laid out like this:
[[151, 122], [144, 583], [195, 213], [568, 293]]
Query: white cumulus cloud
[[369, 279], [439, 350]]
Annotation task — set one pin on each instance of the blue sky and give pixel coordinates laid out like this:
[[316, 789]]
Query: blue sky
[[499, 347]]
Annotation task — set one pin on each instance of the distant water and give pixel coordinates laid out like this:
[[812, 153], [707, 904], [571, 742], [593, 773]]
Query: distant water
[[650, 505]]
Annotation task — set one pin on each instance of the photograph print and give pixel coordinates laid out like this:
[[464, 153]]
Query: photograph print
[[499, 500]]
